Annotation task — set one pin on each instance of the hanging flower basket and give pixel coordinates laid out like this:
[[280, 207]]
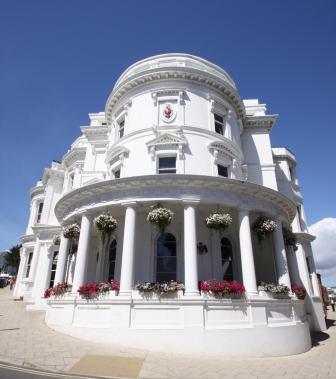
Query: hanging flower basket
[[218, 221], [289, 238], [263, 227], [105, 224], [71, 231], [160, 217], [56, 239]]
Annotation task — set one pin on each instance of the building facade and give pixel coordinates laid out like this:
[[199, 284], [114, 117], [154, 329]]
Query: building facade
[[176, 132]]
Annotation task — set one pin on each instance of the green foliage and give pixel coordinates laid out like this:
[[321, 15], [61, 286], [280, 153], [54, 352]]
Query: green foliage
[[12, 258]]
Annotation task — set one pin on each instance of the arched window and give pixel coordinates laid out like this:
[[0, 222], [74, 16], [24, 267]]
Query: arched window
[[227, 259], [112, 259], [166, 258]]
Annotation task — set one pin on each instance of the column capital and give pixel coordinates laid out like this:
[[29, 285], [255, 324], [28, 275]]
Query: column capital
[[193, 202], [131, 203], [86, 213]]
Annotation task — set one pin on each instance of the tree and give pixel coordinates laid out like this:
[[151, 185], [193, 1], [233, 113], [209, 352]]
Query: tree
[[12, 258]]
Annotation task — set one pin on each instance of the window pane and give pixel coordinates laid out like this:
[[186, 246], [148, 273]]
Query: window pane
[[222, 171], [219, 118], [219, 128], [167, 162], [117, 174], [166, 258]]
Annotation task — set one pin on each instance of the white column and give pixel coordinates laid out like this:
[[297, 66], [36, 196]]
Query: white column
[[34, 261], [126, 277], [280, 255], [19, 276], [246, 252], [62, 260], [82, 252], [190, 249], [303, 269]]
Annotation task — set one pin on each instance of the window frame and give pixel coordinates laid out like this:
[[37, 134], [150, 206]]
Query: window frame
[[28, 265], [53, 269], [176, 272], [223, 260], [221, 166], [39, 212], [161, 171], [221, 123]]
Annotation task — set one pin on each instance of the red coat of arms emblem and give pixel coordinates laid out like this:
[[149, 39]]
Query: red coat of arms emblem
[[168, 112]]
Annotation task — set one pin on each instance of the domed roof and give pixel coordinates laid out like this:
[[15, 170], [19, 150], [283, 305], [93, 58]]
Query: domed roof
[[174, 61]]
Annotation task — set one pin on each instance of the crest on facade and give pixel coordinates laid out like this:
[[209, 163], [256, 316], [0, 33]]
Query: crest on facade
[[168, 112]]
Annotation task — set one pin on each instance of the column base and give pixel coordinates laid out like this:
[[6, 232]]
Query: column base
[[125, 293], [192, 294]]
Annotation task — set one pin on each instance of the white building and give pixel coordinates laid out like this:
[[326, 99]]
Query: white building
[[174, 131]]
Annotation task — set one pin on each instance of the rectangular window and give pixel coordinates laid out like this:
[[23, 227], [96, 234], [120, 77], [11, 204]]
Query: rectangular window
[[219, 124], [121, 128], [167, 165], [53, 270], [116, 174], [30, 257], [222, 170], [39, 213]]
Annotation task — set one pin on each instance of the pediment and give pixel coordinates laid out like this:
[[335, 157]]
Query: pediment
[[115, 152], [221, 147], [167, 139]]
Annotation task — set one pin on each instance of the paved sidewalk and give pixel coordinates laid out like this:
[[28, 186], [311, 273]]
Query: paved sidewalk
[[27, 341]]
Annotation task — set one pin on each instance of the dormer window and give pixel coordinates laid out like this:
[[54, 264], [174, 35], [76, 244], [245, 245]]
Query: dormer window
[[222, 171], [219, 124], [167, 165], [39, 213], [121, 128]]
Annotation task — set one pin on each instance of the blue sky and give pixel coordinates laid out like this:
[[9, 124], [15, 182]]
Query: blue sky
[[59, 61]]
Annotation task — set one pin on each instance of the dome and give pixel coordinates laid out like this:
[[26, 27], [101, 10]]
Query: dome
[[174, 61]]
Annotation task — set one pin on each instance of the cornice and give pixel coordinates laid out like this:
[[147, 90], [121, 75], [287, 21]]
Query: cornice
[[266, 121], [89, 131], [74, 155], [305, 237], [28, 238], [175, 73], [49, 172], [38, 190], [144, 186]]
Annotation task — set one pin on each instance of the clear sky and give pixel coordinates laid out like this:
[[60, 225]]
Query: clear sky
[[60, 59]]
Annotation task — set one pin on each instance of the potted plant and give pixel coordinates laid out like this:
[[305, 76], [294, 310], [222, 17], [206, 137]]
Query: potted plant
[[299, 291], [218, 221], [263, 227], [160, 217], [148, 289], [273, 289], [57, 291], [222, 288]]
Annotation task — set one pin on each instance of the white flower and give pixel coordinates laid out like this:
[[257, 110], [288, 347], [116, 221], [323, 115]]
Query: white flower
[[71, 231], [218, 220]]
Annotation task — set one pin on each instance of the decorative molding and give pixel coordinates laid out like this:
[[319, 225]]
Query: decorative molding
[[266, 121], [225, 148], [176, 73], [73, 156], [115, 152], [114, 192], [167, 139]]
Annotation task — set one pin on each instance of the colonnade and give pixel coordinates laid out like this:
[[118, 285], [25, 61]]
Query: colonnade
[[190, 251]]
